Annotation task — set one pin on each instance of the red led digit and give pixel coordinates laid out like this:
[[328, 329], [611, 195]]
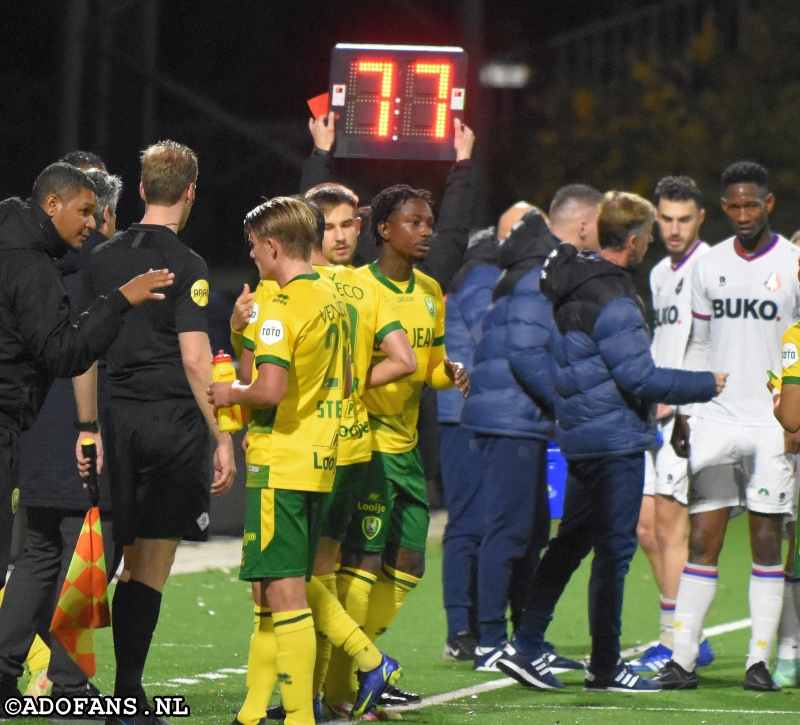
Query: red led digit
[[443, 70], [386, 71]]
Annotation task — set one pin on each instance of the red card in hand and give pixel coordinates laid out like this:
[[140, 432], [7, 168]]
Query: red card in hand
[[319, 105]]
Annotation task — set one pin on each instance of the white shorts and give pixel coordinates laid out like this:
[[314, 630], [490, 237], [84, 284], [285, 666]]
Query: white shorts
[[664, 472], [740, 466]]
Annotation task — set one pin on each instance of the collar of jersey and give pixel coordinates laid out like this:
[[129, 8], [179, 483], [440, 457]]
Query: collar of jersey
[[137, 227], [676, 267], [384, 280], [751, 257], [312, 276]]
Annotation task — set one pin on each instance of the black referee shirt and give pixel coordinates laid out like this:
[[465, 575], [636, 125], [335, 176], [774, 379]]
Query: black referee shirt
[[144, 362]]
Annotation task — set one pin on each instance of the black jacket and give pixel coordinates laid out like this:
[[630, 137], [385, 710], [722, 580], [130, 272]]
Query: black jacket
[[453, 220], [48, 476], [38, 341]]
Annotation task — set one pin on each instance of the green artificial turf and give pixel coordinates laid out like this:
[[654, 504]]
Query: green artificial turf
[[206, 622]]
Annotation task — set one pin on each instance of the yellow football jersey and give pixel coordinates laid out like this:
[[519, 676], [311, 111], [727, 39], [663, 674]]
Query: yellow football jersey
[[789, 355], [370, 319], [394, 408], [303, 328]]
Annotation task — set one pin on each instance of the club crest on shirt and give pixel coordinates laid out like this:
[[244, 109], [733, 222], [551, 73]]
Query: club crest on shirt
[[430, 305], [773, 283], [679, 287], [371, 526]]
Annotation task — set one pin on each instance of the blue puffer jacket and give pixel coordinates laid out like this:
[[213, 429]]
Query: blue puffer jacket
[[606, 382], [502, 401], [468, 298]]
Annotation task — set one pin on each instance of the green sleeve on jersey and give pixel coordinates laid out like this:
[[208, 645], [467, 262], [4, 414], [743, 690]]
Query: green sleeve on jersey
[[386, 329], [791, 380], [273, 360], [438, 341], [248, 343]]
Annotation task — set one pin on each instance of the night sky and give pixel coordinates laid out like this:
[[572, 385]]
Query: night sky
[[257, 59]]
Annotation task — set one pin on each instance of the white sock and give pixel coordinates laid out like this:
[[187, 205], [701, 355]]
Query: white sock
[[789, 626], [667, 621], [766, 601], [695, 594]]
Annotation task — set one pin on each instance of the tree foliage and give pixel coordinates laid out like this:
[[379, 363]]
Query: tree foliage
[[692, 113]]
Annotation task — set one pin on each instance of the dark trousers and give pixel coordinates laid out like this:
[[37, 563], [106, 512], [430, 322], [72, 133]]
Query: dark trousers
[[462, 476], [601, 508], [9, 477], [517, 526], [34, 587]]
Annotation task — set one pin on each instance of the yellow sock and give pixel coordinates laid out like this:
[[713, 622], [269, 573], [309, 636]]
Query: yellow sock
[[38, 655], [353, 587], [340, 629], [323, 645], [386, 598], [297, 648], [261, 668]]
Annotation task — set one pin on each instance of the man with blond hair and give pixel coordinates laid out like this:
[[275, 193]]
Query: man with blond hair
[[300, 381], [159, 418], [606, 386]]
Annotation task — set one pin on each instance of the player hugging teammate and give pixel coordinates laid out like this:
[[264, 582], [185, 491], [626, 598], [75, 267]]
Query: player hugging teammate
[[318, 337]]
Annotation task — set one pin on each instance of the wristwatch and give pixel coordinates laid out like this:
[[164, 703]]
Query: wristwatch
[[90, 426]]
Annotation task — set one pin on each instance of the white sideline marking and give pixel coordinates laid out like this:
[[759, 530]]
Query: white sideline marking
[[507, 681], [501, 683], [220, 674], [172, 644], [639, 709]]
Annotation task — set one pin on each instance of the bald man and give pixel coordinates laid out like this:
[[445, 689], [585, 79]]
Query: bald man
[[511, 216]]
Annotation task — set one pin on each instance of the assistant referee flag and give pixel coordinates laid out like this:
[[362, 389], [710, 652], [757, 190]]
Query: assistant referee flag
[[83, 604]]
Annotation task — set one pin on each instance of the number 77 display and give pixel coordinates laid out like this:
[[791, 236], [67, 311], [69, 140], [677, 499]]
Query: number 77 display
[[396, 101]]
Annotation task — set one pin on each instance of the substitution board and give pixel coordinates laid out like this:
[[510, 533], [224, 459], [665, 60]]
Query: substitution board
[[396, 101]]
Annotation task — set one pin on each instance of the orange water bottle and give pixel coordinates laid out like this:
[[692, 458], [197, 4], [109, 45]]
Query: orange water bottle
[[228, 419]]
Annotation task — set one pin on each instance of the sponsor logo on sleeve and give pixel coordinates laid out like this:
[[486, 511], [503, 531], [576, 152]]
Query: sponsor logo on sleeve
[[254, 312], [200, 292], [271, 332], [789, 354]]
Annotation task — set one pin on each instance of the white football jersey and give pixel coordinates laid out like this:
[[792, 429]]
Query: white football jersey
[[749, 301], [671, 288]]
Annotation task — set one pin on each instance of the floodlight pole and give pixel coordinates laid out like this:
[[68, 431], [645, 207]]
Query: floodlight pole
[[72, 73], [150, 11]]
